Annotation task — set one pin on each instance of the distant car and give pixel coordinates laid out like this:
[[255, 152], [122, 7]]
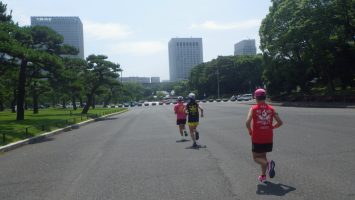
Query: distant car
[[245, 97], [168, 103], [120, 105], [139, 104], [224, 100], [161, 103], [218, 100], [146, 104], [174, 102], [203, 100], [211, 100], [154, 104], [126, 105]]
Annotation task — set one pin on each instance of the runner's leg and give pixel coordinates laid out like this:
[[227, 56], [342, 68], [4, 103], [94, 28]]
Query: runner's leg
[[192, 133], [260, 158]]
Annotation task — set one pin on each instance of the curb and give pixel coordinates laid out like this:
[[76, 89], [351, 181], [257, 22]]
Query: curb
[[44, 136]]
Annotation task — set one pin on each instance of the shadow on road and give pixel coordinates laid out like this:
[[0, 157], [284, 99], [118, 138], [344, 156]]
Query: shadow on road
[[183, 140], [197, 148], [40, 140], [270, 188]]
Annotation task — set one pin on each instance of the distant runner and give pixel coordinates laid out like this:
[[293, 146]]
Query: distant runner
[[261, 132], [192, 110], [180, 112]]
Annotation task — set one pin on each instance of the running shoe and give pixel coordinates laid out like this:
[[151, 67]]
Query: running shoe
[[197, 135], [271, 168], [185, 133], [262, 178], [194, 145]]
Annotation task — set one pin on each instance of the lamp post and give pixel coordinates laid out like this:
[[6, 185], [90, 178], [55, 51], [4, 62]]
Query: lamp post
[[217, 82]]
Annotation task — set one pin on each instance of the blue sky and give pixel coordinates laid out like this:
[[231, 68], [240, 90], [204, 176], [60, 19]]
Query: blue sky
[[135, 33]]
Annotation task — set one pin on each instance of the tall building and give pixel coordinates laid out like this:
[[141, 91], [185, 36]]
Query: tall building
[[184, 53], [245, 47], [70, 28]]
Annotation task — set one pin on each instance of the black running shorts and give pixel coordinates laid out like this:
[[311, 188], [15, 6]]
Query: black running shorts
[[261, 148], [180, 121]]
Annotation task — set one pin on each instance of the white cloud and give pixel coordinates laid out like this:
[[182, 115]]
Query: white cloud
[[211, 25], [105, 31], [137, 48]]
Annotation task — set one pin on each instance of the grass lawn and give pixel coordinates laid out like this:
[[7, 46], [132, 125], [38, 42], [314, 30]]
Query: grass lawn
[[46, 120]]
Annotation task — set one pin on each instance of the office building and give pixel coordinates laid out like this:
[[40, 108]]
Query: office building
[[136, 79], [155, 79], [184, 53], [245, 47], [70, 28]]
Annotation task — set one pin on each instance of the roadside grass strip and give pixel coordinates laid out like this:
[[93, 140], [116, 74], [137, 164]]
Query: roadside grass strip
[[45, 121]]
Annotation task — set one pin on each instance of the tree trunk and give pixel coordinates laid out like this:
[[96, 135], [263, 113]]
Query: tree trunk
[[88, 104], [93, 102], [21, 91], [13, 102], [35, 102], [64, 104], [35, 99], [73, 101], [81, 102], [1, 105]]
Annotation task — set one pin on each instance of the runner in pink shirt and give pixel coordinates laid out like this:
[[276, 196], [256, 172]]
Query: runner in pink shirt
[[179, 110]]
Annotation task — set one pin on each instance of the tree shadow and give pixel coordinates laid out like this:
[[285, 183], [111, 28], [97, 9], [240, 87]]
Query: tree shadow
[[269, 188], [40, 140]]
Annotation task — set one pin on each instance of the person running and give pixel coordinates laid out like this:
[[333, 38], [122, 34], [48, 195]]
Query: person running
[[192, 110], [260, 126], [180, 112]]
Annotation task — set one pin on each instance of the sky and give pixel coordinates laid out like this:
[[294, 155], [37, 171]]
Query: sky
[[135, 33]]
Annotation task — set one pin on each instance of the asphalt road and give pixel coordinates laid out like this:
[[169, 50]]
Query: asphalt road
[[135, 156]]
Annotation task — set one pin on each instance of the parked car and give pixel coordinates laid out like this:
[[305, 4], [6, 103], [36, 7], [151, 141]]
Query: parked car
[[139, 104], [225, 100], [245, 97], [161, 103], [146, 104], [154, 104], [126, 105], [211, 100], [203, 100], [218, 100]]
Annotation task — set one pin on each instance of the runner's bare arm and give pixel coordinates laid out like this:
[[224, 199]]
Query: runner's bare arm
[[248, 122], [201, 109], [278, 121]]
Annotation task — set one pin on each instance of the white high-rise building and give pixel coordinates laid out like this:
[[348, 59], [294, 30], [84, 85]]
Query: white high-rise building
[[245, 47], [70, 28], [184, 53]]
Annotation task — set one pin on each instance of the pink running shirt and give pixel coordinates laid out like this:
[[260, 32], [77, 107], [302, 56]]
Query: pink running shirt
[[179, 109]]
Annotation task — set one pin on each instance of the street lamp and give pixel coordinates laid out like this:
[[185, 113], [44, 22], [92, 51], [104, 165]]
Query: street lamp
[[217, 81]]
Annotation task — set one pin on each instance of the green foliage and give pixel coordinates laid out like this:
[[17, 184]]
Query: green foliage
[[236, 74], [308, 40]]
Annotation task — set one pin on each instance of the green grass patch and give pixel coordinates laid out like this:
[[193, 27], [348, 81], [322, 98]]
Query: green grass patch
[[46, 120]]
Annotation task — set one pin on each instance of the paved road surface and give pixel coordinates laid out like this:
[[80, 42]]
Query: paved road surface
[[135, 156]]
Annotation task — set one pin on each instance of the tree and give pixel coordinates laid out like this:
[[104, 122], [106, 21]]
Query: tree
[[235, 74], [99, 72], [307, 40]]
